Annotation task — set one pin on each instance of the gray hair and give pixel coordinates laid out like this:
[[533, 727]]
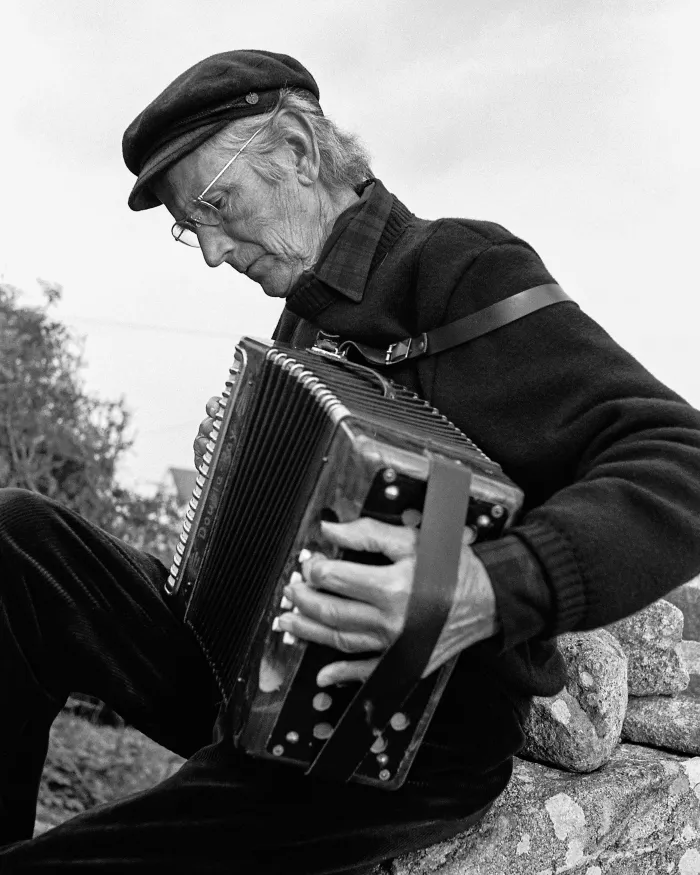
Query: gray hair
[[343, 159]]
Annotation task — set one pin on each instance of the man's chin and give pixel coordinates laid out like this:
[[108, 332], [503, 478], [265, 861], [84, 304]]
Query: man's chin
[[276, 286]]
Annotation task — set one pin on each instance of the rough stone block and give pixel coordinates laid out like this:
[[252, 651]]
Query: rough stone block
[[687, 599], [651, 639], [579, 728], [691, 657], [672, 723], [639, 814]]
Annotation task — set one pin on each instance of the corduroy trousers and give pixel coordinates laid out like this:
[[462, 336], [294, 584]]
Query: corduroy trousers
[[82, 612]]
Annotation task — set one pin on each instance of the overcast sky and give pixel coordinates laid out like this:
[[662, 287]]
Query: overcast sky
[[571, 122]]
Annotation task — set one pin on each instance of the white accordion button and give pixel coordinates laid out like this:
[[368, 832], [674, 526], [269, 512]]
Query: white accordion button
[[322, 702], [322, 730], [399, 721]]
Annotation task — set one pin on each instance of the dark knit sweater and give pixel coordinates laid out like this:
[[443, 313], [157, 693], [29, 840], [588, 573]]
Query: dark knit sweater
[[608, 458]]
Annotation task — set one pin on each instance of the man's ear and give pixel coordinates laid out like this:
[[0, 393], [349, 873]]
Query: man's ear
[[301, 140]]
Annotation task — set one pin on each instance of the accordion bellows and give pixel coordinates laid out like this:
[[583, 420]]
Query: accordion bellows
[[300, 437]]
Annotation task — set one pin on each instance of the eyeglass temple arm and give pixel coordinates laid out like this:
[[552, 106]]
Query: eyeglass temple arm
[[229, 163]]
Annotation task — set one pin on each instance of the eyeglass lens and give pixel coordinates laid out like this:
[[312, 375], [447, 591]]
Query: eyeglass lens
[[202, 214], [184, 235]]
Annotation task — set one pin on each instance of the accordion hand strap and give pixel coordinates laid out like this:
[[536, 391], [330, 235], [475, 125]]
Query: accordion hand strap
[[461, 330], [401, 668]]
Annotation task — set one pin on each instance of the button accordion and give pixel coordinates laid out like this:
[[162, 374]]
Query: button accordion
[[302, 436]]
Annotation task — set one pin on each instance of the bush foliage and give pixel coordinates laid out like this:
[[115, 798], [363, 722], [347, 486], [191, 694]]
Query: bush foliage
[[58, 440]]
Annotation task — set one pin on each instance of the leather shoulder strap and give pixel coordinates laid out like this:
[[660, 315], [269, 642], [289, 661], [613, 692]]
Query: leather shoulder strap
[[462, 330]]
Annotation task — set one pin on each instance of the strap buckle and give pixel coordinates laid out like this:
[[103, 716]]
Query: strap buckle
[[409, 347]]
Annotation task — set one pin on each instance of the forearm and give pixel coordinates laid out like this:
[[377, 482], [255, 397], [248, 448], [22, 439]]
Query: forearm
[[473, 616]]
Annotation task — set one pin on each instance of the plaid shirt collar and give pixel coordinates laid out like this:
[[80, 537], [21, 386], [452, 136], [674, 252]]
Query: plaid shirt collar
[[346, 258]]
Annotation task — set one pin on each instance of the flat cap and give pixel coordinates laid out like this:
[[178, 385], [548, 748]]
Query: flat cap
[[200, 102]]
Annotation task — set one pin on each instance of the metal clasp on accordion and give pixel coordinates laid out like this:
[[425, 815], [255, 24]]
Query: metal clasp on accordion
[[329, 345]]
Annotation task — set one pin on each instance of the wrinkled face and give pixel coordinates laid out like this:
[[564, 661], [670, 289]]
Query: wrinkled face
[[272, 231]]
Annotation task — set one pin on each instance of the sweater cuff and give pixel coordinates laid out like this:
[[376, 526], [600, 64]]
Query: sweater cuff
[[523, 599], [561, 573]]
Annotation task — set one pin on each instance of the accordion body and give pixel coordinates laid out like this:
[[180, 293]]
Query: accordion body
[[301, 437]]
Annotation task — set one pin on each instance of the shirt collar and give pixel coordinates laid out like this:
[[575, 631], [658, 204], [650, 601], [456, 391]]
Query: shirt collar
[[346, 258]]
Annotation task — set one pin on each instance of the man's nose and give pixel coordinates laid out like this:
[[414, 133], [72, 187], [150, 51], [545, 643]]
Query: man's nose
[[215, 244]]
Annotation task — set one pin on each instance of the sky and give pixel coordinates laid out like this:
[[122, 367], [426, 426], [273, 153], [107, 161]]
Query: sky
[[574, 123]]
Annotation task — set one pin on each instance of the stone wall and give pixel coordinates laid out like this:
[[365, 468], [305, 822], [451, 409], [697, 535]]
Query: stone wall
[[609, 782]]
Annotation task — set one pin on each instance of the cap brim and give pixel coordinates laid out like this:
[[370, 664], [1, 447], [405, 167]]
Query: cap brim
[[142, 196]]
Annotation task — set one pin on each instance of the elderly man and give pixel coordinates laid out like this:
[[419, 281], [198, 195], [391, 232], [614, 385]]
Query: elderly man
[[252, 172]]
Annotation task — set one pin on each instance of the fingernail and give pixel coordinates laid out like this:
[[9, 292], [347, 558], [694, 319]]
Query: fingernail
[[304, 555], [286, 604], [295, 577]]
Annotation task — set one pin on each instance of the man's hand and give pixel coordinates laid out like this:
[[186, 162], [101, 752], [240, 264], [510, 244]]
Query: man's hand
[[358, 608], [204, 434]]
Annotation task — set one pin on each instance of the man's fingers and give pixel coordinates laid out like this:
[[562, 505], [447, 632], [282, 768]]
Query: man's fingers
[[373, 584], [213, 405], [205, 428], [345, 672], [337, 613], [345, 642], [372, 536]]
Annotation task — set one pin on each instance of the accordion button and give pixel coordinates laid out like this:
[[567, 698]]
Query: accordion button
[[411, 517], [384, 775], [392, 492], [379, 745], [322, 730], [322, 702], [399, 721]]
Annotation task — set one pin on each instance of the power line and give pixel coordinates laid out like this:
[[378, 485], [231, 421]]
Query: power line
[[144, 326]]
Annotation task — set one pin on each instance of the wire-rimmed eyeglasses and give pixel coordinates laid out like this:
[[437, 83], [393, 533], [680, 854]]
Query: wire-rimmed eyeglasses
[[204, 213]]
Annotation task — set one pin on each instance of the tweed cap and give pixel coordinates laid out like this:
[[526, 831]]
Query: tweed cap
[[200, 102]]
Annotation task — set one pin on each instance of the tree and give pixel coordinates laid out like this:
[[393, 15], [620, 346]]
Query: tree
[[58, 440]]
